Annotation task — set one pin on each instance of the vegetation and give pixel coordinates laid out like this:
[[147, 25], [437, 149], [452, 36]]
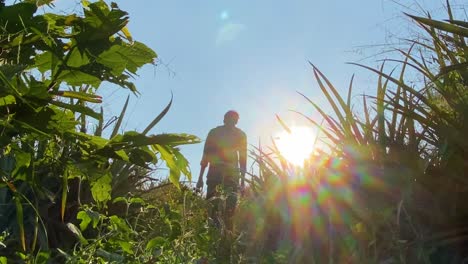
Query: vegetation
[[56, 174], [387, 187]]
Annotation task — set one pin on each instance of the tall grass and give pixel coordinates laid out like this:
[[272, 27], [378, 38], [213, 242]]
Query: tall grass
[[391, 184]]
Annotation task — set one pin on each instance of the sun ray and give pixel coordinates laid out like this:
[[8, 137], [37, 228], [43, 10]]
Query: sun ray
[[297, 145]]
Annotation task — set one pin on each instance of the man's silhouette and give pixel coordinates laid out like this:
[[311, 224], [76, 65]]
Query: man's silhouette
[[226, 154]]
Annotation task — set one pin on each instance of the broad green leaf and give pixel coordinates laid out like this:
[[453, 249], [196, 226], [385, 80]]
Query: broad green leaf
[[182, 164], [101, 188], [169, 157], [23, 161], [12, 21], [126, 57], [119, 224], [12, 70], [3, 260], [78, 78], [156, 242], [119, 199], [85, 220], [136, 200], [87, 216], [122, 155], [77, 58], [61, 120], [125, 246], [46, 61]]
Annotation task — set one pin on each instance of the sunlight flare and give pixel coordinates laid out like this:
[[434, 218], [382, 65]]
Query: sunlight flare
[[297, 145]]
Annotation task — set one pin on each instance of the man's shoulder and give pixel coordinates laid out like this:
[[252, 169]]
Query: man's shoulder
[[241, 132], [222, 130], [216, 129]]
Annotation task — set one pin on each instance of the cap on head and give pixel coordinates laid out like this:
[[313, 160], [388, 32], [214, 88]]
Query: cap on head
[[231, 117]]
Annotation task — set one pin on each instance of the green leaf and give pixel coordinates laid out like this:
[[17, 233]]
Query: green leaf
[[101, 188], [158, 118], [156, 242], [42, 257], [9, 16], [136, 200], [119, 199], [87, 97], [39, 3], [78, 108], [125, 246], [442, 25], [109, 257], [120, 119], [3, 260], [77, 233], [87, 216], [85, 220], [169, 158], [23, 161], [78, 78], [20, 220], [46, 61], [64, 193], [119, 224], [12, 70], [130, 57], [77, 58]]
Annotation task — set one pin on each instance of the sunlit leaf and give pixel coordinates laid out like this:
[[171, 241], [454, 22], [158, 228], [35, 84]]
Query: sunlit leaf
[[156, 242], [101, 188], [77, 233]]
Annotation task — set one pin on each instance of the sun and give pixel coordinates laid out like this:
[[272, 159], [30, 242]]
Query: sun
[[297, 145]]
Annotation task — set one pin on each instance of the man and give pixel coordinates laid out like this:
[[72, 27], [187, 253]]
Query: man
[[225, 152]]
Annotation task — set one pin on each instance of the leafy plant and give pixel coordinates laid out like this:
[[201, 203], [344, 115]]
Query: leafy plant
[[390, 183], [52, 169]]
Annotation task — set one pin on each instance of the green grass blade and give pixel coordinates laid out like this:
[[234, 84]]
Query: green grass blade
[[320, 127], [417, 94], [64, 193], [350, 88], [348, 123], [159, 117], [285, 127], [441, 25], [19, 220], [318, 77], [333, 125], [100, 126], [120, 119]]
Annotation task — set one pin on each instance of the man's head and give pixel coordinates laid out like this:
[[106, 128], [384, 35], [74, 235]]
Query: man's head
[[231, 117]]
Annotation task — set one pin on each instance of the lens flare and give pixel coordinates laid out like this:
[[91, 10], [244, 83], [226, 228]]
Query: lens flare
[[297, 145], [224, 15]]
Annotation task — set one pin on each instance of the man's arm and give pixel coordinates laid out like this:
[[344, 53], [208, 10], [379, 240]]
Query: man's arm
[[207, 150], [243, 158], [200, 177]]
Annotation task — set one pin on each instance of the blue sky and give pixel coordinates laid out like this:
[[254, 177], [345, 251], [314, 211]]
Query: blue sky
[[251, 56]]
